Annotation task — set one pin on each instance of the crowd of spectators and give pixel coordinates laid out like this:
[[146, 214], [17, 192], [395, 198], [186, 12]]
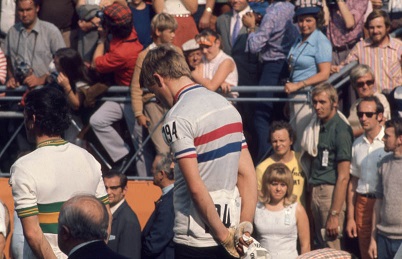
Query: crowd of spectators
[[83, 47]]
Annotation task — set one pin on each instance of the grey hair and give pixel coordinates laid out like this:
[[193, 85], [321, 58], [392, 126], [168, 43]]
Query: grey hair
[[164, 165], [81, 224], [358, 72]]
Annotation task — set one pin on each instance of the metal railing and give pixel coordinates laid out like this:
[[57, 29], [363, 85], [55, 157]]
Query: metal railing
[[337, 80]]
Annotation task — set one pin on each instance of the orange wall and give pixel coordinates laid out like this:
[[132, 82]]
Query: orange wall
[[141, 196]]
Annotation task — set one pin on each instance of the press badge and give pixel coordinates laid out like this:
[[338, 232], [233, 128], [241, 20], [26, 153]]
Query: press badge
[[325, 155], [287, 217]]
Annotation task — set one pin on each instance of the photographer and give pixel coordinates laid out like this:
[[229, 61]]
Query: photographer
[[29, 47]]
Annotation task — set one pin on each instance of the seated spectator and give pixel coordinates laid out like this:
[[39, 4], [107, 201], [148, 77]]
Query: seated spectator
[[279, 220], [120, 60], [147, 110], [142, 16], [282, 137], [217, 69], [182, 11], [157, 235], [363, 82], [30, 46], [309, 62], [192, 53], [83, 229]]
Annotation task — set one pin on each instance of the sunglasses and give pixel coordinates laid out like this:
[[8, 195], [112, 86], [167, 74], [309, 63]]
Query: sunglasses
[[368, 114], [361, 84]]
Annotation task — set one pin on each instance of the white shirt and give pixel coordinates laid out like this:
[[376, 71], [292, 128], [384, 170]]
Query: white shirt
[[115, 207], [233, 19], [366, 157]]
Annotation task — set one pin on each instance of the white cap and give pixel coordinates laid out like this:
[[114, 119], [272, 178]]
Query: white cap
[[190, 45]]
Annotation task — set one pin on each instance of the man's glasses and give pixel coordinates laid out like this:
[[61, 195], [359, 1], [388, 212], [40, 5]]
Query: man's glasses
[[368, 83], [113, 188], [368, 114]]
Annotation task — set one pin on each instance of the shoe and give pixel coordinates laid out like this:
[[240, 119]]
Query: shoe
[[119, 165]]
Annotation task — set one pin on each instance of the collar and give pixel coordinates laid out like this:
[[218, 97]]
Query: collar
[[166, 189], [115, 207], [152, 45], [329, 123], [36, 27], [185, 89], [75, 248], [311, 37], [52, 142], [391, 44], [241, 13]]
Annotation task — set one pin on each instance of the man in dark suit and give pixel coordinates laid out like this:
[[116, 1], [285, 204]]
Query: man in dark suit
[[157, 236], [125, 238], [83, 229], [234, 38]]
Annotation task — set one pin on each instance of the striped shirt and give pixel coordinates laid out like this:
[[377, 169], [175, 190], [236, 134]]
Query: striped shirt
[[204, 125], [385, 61], [3, 68]]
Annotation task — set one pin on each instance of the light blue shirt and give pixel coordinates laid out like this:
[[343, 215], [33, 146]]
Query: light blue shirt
[[304, 58]]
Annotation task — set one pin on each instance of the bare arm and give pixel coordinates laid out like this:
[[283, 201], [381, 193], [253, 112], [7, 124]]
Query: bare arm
[[201, 198], [346, 15], [303, 229], [338, 198], [376, 219], [158, 5], [224, 69], [351, 201], [247, 185], [190, 5], [35, 238], [99, 51], [321, 76], [206, 16]]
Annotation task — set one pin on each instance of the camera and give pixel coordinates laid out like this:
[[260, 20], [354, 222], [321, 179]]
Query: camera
[[101, 15], [22, 71]]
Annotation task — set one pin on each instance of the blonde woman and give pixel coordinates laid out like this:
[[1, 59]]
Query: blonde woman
[[279, 219]]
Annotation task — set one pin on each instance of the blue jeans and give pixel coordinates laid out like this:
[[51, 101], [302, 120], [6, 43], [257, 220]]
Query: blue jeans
[[272, 72], [386, 247]]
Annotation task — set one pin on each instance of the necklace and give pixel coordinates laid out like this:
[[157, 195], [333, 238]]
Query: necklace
[[52, 142]]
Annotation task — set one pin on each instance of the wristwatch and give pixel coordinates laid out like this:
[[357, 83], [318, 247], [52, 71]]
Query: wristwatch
[[334, 213], [208, 9]]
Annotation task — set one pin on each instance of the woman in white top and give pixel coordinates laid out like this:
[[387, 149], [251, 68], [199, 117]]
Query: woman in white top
[[278, 219], [217, 69]]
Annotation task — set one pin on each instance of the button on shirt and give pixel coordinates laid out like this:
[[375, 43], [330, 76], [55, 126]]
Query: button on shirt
[[365, 159]]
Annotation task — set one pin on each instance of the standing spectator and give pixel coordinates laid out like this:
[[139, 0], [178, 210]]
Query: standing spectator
[[282, 137], [363, 82], [381, 52], [279, 220], [367, 151], [125, 237], [157, 235], [330, 165], [147, 110], [234, 39], [120, 60], [272, 40], [205, 133], [309, 63], [142, 17], [83, 229], [62, 14], [47, 177], [30, 46], [386, 235], [182, 10], [217, 69]]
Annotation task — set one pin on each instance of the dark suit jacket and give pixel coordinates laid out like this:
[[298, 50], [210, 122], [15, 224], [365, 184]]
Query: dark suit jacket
[[125, 238], [247, 64], [157, 235], [95, 250]]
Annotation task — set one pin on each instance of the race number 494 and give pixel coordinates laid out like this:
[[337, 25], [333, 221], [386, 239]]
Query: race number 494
[[169, 132]]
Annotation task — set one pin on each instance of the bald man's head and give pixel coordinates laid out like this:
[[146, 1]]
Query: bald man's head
[[82, 218]]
